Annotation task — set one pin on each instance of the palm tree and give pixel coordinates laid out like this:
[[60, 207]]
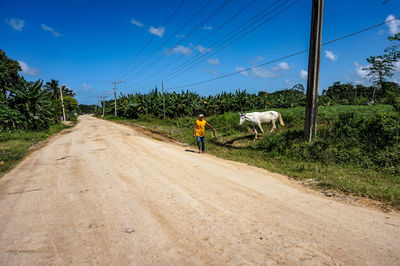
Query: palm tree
[[31, 100], [53, 89]]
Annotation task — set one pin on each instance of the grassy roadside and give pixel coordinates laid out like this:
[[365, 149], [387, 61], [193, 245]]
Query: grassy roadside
[[15, 145], [235, 143]]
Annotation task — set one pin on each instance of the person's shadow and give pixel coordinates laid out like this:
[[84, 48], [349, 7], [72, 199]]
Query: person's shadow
[[188, 150]]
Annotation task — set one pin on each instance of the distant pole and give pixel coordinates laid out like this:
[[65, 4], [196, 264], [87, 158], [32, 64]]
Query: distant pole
[[314, 58], [104, 104], [163, 93], [62, 104], [115, 95], [103, 107]]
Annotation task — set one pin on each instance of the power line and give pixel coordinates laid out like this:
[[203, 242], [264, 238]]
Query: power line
[[200, 59], [195, 29], [207, 37], [172, 36], [215, 43], [234, 33], [285, 57], [151, 39]]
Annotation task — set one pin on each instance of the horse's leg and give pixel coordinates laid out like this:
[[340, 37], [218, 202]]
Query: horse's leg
[[273, 125], [255, 131], [260, 127]]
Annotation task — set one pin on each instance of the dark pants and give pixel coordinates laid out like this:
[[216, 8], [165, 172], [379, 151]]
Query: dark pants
[[203, 142]]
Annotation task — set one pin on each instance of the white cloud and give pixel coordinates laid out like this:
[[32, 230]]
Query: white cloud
[[360, 72], [213, 61], [303, 74], [212, 72], [272, 72], [157, 31], [394, 25], [207, 27], [180, 49], [50, 29], [241, 70], [257, 59], [263, 73], [87, 87], [137, 23], [282, 66], [27, 70], [330, 55], [202, 49], [16, 24], [397, 67]]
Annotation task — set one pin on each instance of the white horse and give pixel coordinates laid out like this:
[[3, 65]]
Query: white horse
[[259, 118]]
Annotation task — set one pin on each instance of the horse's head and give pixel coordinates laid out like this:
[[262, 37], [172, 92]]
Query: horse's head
[[242, 119]]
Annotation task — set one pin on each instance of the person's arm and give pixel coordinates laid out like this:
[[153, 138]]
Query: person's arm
[[213, 129], [194, 130]]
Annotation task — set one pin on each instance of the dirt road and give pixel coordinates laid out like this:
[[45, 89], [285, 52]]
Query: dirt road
[[104, 194]]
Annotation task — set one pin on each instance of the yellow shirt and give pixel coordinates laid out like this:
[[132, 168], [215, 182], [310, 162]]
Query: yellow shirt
[[200, 128]]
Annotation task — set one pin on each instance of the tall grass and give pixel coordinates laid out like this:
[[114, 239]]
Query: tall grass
[[15, 145]]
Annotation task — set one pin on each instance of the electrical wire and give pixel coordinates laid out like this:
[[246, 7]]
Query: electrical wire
[[200, 59], [207, 37], [173, 35], [195, 29], [150, 40], [285, 57], [261, 15]]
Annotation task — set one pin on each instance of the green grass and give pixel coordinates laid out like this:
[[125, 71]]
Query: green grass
[[338, 170], [15, 145]]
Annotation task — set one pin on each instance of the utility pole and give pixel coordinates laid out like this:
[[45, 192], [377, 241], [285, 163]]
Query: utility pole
[[163, 93], [115, 95], [62, 104], [314, 58], [104, 105]]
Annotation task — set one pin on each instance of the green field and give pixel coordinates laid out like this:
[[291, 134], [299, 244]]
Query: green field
[[356, 151], [15, 145]]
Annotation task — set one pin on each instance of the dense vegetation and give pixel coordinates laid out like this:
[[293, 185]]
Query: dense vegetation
[[27, 105], [189, 103], [29, 112]]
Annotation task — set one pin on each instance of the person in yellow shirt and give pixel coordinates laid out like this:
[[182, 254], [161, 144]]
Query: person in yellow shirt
[[199, 132]]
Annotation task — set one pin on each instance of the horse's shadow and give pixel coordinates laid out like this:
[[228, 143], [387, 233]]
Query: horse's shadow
[[229, 143]]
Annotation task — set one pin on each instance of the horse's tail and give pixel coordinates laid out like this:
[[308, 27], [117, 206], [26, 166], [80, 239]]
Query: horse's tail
[[281, 120]]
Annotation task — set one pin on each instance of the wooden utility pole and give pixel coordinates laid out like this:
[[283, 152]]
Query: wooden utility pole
[[104, 103], [163, 93], [62, 105], [314, 58], [115, 95]]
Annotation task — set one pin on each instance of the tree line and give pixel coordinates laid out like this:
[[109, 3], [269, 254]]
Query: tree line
[[186, 103], [31, 105]]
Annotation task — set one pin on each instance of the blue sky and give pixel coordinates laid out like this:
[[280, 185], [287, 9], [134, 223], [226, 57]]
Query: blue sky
[[86, 44]]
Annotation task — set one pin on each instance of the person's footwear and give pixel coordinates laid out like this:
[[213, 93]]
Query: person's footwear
[[199, 151], [203, 152]]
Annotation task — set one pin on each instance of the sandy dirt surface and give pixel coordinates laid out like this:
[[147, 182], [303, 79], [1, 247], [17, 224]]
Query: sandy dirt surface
[[105, 194]]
